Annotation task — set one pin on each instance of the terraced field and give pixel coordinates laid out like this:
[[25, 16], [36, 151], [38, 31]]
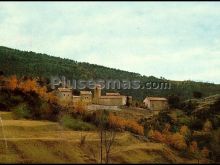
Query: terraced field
[[31, 141]]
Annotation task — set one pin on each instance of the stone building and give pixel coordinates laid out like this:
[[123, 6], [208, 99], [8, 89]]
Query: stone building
[[114, 99], [110, 99], [64, 94], [156, 103], [86, 96]]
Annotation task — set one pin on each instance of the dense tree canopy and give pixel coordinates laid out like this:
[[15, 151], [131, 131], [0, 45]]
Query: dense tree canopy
[[24, 63]]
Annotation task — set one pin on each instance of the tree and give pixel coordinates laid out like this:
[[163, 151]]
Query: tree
[[107, 133], [12, 82], [205, 152], [128, 101], [178, 141], [197, 94], [29, 85], [102, 126], [174, 101], [109, 138], [1, 73]]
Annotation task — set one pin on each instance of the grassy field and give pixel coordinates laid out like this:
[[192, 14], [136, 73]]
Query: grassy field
[[47, 142]]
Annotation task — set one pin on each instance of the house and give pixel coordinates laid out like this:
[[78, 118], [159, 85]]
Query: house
[[64, 94], [156, 103], [86, 96], [110, 99]]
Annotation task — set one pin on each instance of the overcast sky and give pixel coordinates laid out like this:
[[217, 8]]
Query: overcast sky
[[178, 41]]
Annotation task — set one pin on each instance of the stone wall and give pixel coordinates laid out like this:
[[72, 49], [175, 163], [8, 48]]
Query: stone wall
[[112, 100], [102, 107]]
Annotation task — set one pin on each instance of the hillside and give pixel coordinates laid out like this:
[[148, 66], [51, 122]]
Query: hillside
[[34, 125], [51, 143], [24, 63]]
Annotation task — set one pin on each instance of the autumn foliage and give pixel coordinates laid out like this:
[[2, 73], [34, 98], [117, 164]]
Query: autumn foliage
[[30, 85], [193, 148], [207, 127], [184, 130], [127, 124], [177, 140], [12, 82], [80, 107]]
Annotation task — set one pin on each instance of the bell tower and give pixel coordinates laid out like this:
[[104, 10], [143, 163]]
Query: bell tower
[[97, 93]]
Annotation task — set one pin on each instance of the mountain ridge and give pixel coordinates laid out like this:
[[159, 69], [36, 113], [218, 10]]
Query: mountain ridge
[[28, 63]]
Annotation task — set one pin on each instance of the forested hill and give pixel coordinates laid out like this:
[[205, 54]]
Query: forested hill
[[24, 63]]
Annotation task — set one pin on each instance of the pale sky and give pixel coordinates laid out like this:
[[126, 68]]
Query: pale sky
[[175, 40]]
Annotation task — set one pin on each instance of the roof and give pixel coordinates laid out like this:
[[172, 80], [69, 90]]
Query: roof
[[65, 89], [156, 98], [85, 92], [76, 97], [111, 97], [113, 94]]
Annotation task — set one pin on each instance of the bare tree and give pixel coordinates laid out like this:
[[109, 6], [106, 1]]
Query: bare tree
[[109, 138], [101, 124]]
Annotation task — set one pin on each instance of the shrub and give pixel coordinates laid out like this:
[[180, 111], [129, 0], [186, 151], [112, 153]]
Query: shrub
[[116, 122], [197, 94], [21, 111], [15, 100], [196, 124], [156, 135], [45, 110], [207, 127], [120, 123], [80, 107], [134, 127], [184, 130], [205, 152], [3, 107], [76, 124], [215, 145], [174, 101], [177, 141], [166, 128], [184, 121], [193, 148]]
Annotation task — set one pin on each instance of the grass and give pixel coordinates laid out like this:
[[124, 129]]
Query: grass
[[48, 142], [21, 111], [76, 124]]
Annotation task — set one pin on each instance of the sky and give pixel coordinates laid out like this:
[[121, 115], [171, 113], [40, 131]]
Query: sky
[[175, 40]]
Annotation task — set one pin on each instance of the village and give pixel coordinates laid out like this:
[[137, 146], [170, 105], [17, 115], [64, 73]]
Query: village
[[94, 100]]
